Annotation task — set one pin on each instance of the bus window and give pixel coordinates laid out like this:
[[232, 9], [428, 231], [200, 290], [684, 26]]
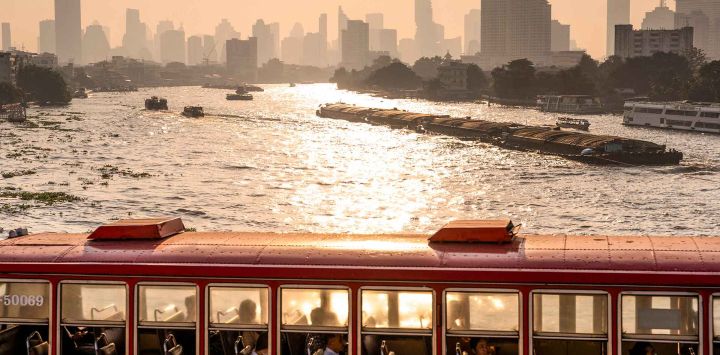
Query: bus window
[[664, 324], [238, 320], [716, 325], [482, 323], [314, 320], [92, 318], [566, 323], [167, 317], [24, 317], [397, 321]]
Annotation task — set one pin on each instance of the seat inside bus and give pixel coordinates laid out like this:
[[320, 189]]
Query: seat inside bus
[[569, 347], [14, 339], [400, 345]]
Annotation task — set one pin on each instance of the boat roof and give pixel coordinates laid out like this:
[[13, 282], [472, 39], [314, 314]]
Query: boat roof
[[396, 251]]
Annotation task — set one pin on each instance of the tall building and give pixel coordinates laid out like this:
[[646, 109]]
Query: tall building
[[210, 50], [68, 31], [618, 13], [389, 42], [223, 32], [473, 20], [560, 36], [194, 50], [311, 49], [160, 28], [452, 46], [6, 37], [704, 17], [376, 22], [342, 26], [96, 47], [643, 43], [242, 58], [515, 29], [356, 45], [408, 50], [323, 30], [661, 18], [428, 34], [172, 46], [46, 39], [135, 38], [267, 40]]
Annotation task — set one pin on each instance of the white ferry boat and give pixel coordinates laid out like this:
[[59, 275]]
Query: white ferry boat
[[687, 116]]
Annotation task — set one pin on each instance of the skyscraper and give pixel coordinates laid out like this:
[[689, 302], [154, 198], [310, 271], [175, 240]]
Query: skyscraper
[[194, 50], [356, 45], [342, 26], [377, 23], [210, 50], [473, 20], [428, 34], [389, 42], [68, 31], [618, 13], [242, 58], [223, 32], [6, 37], [46, 39], [704, 16], [96, 46], [515, 29], [172, 46], [661, 18], [322, 29], [560, 36], [267, 40], [135, 38]]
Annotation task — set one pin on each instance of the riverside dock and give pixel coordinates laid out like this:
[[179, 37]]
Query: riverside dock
[[582, 147]]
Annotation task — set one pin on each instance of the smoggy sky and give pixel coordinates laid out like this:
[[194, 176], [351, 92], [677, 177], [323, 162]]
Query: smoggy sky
[[587, 17]]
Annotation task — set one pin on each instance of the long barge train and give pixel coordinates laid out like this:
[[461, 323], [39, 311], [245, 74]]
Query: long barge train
[[144, 287], [583, 147]]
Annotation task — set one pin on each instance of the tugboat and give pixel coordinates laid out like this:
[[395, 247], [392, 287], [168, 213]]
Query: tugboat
[[193, 111], [156, 104], [574, 123], [80, 94], [241, 97]]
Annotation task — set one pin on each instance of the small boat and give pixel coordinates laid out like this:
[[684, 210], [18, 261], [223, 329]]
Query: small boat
[[253, 88], [80, 94], [241, 97], [193, 111], [574, 123], [292, 85], [156, 104]]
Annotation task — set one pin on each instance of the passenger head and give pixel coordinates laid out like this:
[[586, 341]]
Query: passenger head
[[336, 343], [248, 312], [642, 348], [481, 347]]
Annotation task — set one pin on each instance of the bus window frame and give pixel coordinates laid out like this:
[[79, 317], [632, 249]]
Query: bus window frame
[[659, 338], [108, 324], [52, 335], [267, 327], [480, 333], [278, 315], [564, 336], [711, 331], [136, 313], [390, 331]]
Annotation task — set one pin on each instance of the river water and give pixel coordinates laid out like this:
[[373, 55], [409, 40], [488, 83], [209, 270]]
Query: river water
[[272, 165]]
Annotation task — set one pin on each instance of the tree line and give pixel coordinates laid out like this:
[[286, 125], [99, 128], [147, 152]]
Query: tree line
[[38, 84]]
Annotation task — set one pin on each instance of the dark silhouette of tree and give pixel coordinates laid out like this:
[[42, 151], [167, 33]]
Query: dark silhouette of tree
[[477, 81], [9, 94], [44, 85], [516, 80], [427, 68], [707, 85], [394, 76]]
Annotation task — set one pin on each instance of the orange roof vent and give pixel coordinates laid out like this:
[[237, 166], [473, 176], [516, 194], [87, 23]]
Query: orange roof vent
[[148, 228], [490, 231]]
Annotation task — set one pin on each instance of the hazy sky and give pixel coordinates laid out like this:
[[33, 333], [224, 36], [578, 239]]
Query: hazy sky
[[587, 17]]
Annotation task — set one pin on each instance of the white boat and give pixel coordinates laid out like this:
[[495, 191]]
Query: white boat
[[686, 116], [573, 104]]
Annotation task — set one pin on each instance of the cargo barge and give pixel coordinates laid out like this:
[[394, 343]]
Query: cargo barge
[[583, 147]]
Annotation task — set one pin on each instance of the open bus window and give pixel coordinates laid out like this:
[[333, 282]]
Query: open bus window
[[665, 324], [314, 321], [566, 323], [167, 316], [92, 318], [238, 319], [24, 317], [482, 323], [397, 321]]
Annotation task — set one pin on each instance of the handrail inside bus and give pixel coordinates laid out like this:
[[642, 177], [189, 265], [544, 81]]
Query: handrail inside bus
[[228, 311], [163, 311], [98, 310]]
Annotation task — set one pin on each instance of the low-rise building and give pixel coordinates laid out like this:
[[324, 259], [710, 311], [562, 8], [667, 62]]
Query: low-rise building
[[566, 59], [644, 43], [45, 60]]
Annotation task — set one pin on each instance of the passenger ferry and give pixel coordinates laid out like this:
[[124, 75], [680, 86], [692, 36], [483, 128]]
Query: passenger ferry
[[142, 287], [572, 104], [686, 116]]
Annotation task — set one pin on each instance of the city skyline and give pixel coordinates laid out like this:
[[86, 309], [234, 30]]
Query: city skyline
[[398, 15]]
